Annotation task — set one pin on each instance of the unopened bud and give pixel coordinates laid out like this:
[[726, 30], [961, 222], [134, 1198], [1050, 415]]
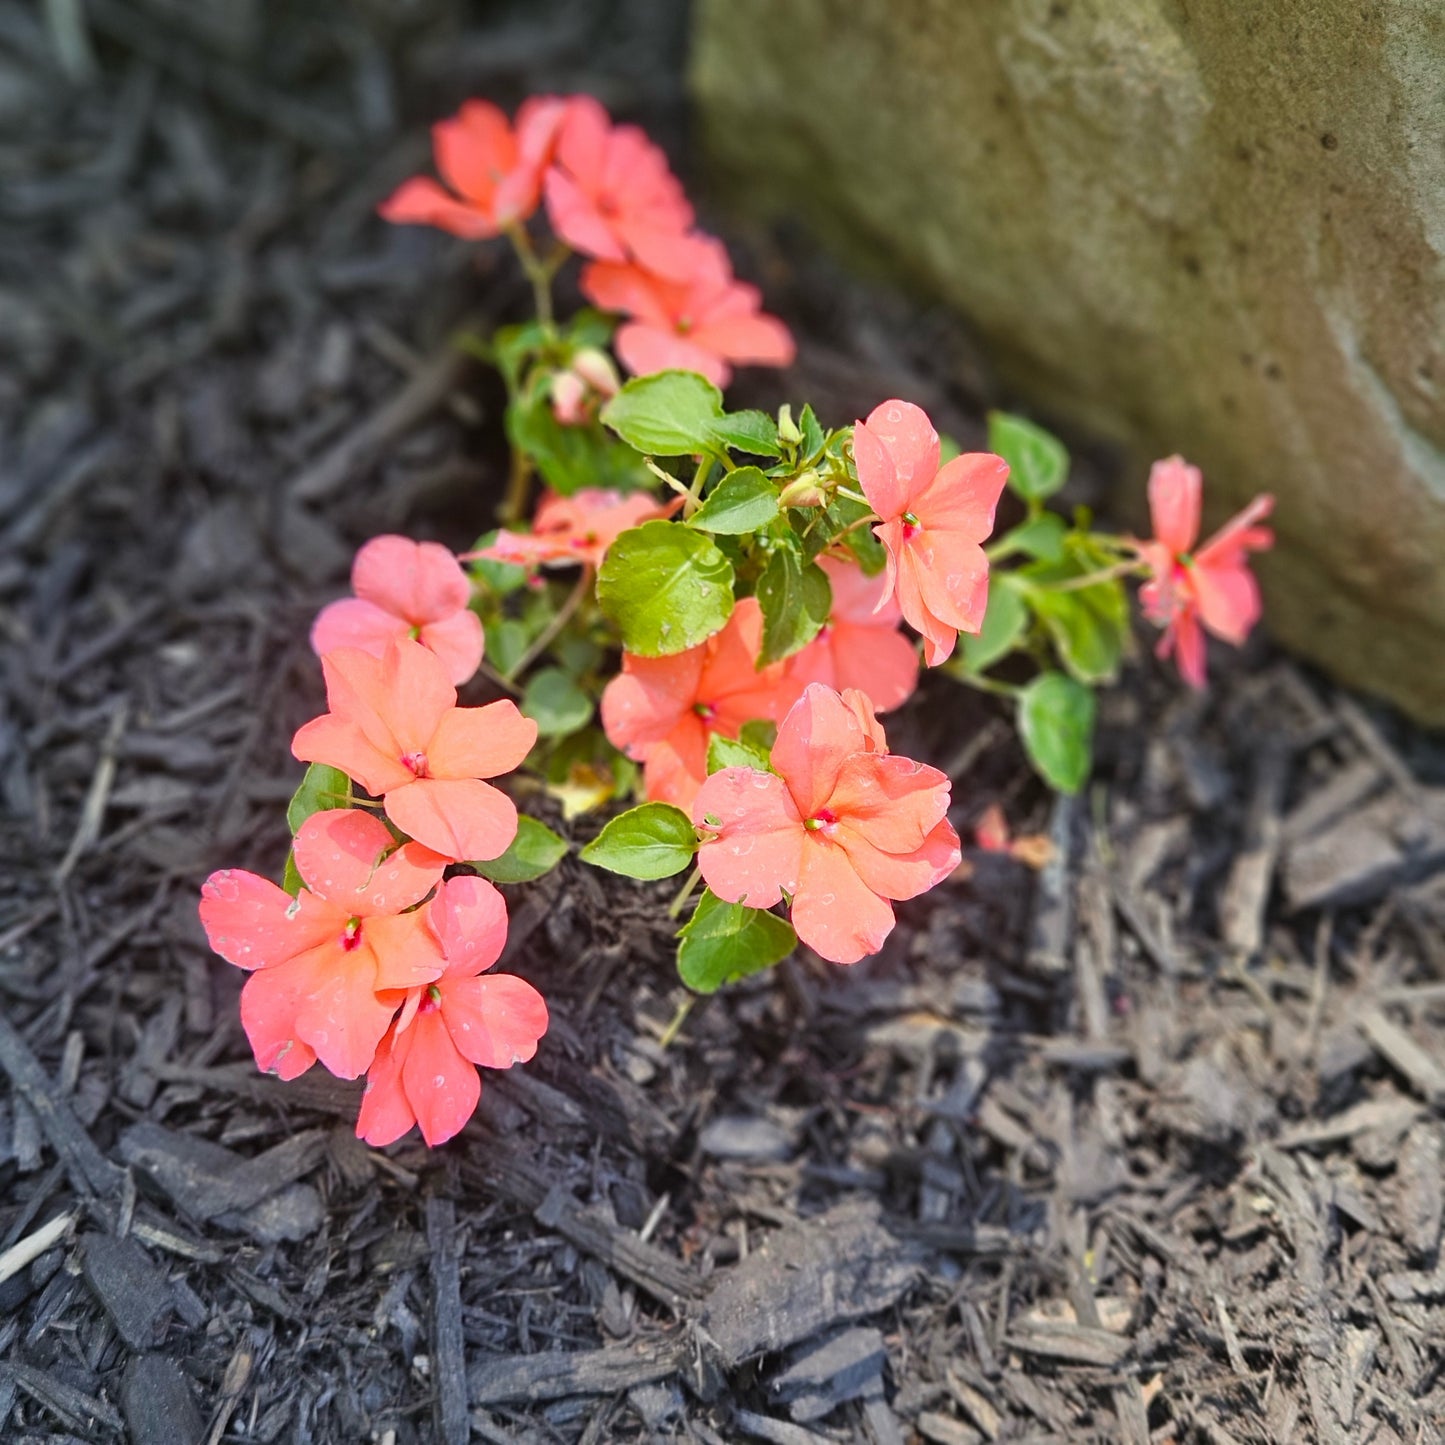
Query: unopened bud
[[569, 398], [806, 490], [788, 432], [596, 369]]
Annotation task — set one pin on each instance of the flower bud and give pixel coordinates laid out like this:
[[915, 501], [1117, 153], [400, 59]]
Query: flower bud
[[569, 398], [806, 490], [788, 432], [596, 369]]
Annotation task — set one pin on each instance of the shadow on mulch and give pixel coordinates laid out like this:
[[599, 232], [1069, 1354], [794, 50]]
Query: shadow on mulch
[[1146, 1146]]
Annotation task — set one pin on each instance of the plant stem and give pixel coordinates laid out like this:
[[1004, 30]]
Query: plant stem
[[545, 638], [852, 496], [1093, 579], [684, 893], [539, 272], [678, 1019], [853, 526], [519, 479]]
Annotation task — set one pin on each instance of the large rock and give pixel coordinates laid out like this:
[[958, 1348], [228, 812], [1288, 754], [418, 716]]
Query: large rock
[[1209, 227]]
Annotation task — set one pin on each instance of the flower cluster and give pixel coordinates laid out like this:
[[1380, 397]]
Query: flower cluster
[[376, 965], [839, 825], [735, 635], [610, 196]]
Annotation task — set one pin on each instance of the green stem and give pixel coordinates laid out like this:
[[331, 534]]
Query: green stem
[[852, 496], [1093, 579], [545, 638], [539, 272], [986, 684], [684, 893], [519, 480], [666, 477]]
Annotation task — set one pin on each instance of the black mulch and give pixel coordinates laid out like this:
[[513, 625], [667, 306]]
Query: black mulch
[[1145, 1147]]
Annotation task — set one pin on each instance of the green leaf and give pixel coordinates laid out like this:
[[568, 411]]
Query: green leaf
[[842, 514], [754, 432], [668, 414], [653, 841], [555, 703], [679, 413], [813, 438], [535, 850], [1056, 722], [760, 734], [666, 587], [1004, 625], [734, 753], [571, 457], [322, 788], [1087, 627], [1038, 463], [723, 942], [796, 598], [743, 501], [512, 348], [507, 639], [1041, 536]]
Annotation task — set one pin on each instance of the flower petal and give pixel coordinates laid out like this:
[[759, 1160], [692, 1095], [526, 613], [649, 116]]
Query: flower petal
[[963, 496], [354, 622], [338, 852], [407, 952], [441, 1086], [386, 1114], [857, 597], [458, 641], [480, 742], [416, 581], [892, 801], [757, 853], [834, 913], [1175, 489], [758, 340], [331, 992], [473, 150], [879, 662], [1227, 599], [577, 221], [906, 435], [645, 349], [903, 875], [461, 818], [469, 918], [421, 202], [268, 1015], [252, 923], [816, 738], [674, 769], [652, 694], [494, 1021], [340, 743]]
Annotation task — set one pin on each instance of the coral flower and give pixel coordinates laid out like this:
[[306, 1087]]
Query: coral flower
[[495, 172], [1209, 590], [610, 194], [425, 1069], [839, 826], [405, 589], [579, 528], [661, 710], [860, 645], [700, 324], [933, 521], [395, 728], [320, 959]]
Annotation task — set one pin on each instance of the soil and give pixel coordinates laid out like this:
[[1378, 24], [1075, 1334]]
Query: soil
[[1144, 1145]]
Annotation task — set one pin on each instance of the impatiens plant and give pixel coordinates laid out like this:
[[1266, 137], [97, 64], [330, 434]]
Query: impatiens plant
[[704, 615]]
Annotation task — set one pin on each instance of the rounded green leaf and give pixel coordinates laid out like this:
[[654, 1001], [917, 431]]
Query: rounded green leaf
[[555, 703], [1088, 627], [535, 850], [754, 432], [666, 587], [734, 753], [653, 841], [744, 501], [723, 942], [1056, 722], [1038, 462], [1004, 625], [322, 788], [668, 414], [1041, 536]]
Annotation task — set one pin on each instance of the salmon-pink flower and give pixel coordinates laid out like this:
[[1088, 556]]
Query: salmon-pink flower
[[860, 645], [405, 589], [661, 710], [1209, 590], [494, 171], [837, 826], [933, 521], [579, 528], [701, 324], [610, 194], [425, 1067], [319, 960], [395, 728]]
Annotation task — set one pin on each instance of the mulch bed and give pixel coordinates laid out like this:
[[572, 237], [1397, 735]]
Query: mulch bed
[[1146, 1146]]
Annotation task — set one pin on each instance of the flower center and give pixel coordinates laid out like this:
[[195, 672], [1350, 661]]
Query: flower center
[[705, 710], [431, 999], [911, 526], [823, 821], [417, 763], [351, 935], [684, 325]]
